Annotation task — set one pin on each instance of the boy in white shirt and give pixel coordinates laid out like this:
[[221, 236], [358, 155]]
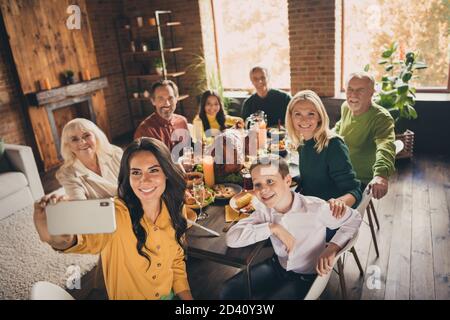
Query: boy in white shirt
[[296, 226]]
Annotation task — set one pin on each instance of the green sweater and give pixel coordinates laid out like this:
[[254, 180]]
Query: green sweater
[[370, 138], [328, 174]]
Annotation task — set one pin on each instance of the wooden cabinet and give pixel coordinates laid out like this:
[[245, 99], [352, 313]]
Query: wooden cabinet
[[148, 52]]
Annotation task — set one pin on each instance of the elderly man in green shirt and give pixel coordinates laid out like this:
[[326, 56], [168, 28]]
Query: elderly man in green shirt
[[368, 131]]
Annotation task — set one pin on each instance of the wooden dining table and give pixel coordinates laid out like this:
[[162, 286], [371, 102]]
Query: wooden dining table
[[203, 245]]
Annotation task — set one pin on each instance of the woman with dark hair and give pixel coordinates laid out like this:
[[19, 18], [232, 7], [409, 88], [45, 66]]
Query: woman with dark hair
[[212, 115], [143, 258]]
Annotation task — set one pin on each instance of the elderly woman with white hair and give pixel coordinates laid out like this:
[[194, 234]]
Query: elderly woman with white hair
[[91, 164]]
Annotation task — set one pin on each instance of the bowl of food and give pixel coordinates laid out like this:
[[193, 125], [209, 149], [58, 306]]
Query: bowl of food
[[226, 191], [190, 202], [243, 202]]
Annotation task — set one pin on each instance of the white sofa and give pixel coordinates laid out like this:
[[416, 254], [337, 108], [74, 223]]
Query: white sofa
[[20, 188]]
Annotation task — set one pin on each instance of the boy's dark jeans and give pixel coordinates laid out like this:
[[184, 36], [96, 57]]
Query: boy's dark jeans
[[269, 281]]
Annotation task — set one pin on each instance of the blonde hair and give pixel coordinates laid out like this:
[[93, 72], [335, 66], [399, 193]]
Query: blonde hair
[[103, 146], [323, 133]]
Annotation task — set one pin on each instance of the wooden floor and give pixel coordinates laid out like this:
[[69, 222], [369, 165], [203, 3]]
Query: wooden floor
[[414, 238], [414, 243]]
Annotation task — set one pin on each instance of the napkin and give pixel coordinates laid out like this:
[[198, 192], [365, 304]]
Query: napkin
[[231, 214]]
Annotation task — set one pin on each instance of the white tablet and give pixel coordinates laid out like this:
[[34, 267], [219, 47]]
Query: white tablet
[[81, 217]]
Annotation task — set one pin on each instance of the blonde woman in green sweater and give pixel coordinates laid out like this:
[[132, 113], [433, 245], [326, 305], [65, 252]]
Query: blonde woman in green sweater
[[325, 168]]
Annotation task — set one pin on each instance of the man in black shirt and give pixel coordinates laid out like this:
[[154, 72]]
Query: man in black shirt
[[272, 101]]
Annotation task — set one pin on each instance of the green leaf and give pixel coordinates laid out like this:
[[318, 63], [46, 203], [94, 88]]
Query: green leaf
[[419, 65], [388, 92], [412, 112], [386, 86], [404, 114], [366, 67], [400, 101], [387, 54], [407, 76], [410, 100], [403, 89], [389, 68], [386, 101], [394, 46], [383, 61]]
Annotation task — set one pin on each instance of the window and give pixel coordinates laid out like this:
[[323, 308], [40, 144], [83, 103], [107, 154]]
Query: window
[[370, 25], [251, 32]]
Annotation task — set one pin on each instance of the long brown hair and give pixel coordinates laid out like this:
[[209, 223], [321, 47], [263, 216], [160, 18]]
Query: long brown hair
[[173, 194]]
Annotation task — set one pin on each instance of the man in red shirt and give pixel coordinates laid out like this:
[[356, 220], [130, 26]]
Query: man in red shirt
[[164, 124]]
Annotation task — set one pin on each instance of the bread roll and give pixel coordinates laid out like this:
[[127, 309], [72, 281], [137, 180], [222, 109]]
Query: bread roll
[[243, 201]]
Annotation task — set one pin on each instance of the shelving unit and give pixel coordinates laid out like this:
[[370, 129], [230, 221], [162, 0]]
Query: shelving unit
[[141, 44]]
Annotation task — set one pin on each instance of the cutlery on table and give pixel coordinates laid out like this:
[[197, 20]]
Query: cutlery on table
[[204, 228]]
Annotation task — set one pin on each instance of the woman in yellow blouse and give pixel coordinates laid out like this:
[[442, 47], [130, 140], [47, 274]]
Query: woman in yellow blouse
[[143, 258], [212, 115]]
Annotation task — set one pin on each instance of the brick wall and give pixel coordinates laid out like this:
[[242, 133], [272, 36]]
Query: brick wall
[[312, 41], [12, 123], [102, 16]]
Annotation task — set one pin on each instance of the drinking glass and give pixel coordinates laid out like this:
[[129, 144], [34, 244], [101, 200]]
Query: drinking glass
[[247, 182], [188, 152], [292, 151], [198, 189], [187, 163], [187, 159]]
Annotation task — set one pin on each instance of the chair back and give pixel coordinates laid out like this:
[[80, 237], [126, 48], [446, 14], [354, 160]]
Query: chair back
[[366, 197], [399, 145], [320, 283], [44, 290]]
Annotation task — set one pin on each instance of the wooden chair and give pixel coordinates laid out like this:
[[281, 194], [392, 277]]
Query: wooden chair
[[399, 145], [320, 283]]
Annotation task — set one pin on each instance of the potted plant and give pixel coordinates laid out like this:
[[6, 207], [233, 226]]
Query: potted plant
[[158, 66], [68, 77], [397, 94]]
